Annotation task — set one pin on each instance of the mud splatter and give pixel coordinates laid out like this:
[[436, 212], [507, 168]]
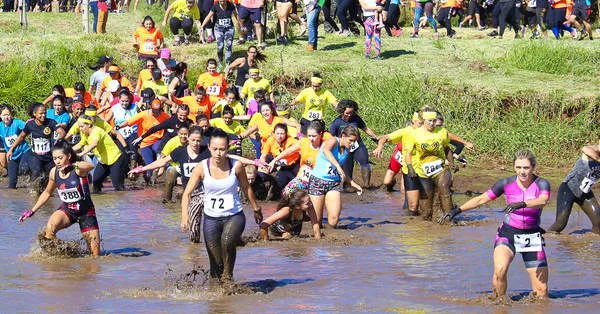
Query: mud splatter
[[58, 248]]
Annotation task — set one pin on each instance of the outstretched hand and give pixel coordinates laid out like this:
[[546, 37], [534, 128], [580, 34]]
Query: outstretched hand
[[26, 215], [449, 216], [514, 206]]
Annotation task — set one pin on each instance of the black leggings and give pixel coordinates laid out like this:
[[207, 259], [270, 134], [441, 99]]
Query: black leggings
[[117, 172], [327, 15], [441, 183], [444, 16], [392, 18], [361, 154], [176, 24], [507, 16], [40, 167], [542, 17], [564, 205], [343, 7], [220, 236]]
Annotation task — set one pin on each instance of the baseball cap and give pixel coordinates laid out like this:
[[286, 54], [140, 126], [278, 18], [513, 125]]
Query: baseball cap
[[165, 53], [156, 74], [156, 104], [104, 59], [114, 69]]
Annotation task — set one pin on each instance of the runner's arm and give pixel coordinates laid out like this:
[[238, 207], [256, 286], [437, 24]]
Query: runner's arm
[[45, 196]]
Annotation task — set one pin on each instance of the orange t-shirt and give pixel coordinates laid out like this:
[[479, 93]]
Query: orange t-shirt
[[204, 106], [214, 84], [148, 40], [122, 80], [145, 75], [145, 120], [274, 148], [87, 97], [264, 128], [308, 154]]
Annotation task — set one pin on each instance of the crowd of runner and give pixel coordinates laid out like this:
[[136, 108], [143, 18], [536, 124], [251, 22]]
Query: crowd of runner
[[161, 125]]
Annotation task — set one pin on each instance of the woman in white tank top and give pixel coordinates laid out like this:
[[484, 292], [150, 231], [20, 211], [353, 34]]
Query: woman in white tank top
[[224, 219]]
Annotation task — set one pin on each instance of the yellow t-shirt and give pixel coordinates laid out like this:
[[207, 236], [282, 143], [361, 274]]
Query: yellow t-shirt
[[315, 103], [238, 108], [429, 151], [148, 40], [159, 88], [234, 128], [398, 135], [181, 11], [251, 86], [170, 147], [264, 129], [74, 130], [292, 131], [107, 151]]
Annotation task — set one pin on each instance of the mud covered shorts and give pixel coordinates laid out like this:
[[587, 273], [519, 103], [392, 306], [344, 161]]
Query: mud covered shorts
[[86, 218], [320, 187], [506, 236]]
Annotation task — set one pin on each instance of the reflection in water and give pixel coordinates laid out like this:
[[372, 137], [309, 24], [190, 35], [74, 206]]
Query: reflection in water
[[380, 261]]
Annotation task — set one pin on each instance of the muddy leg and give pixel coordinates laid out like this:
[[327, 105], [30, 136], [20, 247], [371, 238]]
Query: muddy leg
[[426, 198], [333, 201], [318, 203], [443, 188], [92, 238], [539, 281], [58, 221], [213, 230], [171, 181], [503, 256], [195, 209], [592, 209], [232, 230], [564, 205]]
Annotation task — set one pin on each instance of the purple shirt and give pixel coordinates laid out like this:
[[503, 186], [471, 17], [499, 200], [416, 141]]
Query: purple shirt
[[524, 218]]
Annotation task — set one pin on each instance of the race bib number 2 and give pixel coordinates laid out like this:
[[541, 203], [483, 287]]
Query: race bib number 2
[[528, 242]]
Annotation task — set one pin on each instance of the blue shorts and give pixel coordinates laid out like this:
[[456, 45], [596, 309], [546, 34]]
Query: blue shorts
[[255, 14], [506, 237]]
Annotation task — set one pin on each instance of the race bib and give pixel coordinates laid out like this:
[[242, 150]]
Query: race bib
[[75, 139], [71, 195], [586, 184], [398, 157], [354, 146], [224, 22], [41, 146], [10, 140], [219, 203], [213, 90], [332, 171], [305, 173], [126, 131], [188, 168], [432, 168], [528, 242], [149, 46], [314, 115], [55, 136]]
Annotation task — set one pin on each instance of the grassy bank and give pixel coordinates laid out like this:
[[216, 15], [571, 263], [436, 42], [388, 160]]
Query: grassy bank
[[503, 95]]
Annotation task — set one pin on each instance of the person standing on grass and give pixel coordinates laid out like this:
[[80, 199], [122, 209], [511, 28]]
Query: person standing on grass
[[372, 30], [102, 16], [427, 7], [148, 39], [224, 30], [253, 10]]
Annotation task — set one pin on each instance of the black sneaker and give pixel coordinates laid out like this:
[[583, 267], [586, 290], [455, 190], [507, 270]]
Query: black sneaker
[[493, 33], [452, 34]]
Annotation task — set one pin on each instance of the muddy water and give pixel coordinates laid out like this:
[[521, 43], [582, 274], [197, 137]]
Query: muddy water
[[381, 261]]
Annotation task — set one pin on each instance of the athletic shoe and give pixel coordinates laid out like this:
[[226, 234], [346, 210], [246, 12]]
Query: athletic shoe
[[368, 57], [210, 39], [345, 33], [584, 34], [240, 41], [310, 47], [414, 36], [186, 40], [280, 40], [176, 41], [460, 25], [378, 58], [452, 34], [262, 45], [493, 33], [523, 30], [380, 25]]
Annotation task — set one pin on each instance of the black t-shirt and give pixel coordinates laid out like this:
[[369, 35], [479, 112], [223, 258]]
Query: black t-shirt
[[338, 125], [223, 17], [171, 127], [187, 164], [41, 136]]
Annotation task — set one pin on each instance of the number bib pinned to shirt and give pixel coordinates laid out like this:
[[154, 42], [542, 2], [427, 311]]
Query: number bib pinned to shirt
[[314, 115], [188, 168], [586, 184], [528, 242], [213, 90], [398, 156], [71, 195], [149, 45], [432, 168], [218, 203], [126, 131], [10, 140], [305, 173], [41, 146], [224, 22], [354, 146]]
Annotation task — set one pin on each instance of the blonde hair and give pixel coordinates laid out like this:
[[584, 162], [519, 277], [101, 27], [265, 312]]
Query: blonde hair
[[525, 154]]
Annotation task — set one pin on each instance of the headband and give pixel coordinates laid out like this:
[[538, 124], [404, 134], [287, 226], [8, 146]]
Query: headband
[[82, 120], [91, 113], [429, 115], [254, 71], [316, 80]]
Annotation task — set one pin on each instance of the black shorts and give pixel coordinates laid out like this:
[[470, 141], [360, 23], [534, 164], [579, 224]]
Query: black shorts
[[506, 236], [411, 184], [86, 218], [473, 8], [2, 149], [581, 12]]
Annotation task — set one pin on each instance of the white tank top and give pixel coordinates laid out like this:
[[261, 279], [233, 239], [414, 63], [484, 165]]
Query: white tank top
[[221, 197], [370, 3]]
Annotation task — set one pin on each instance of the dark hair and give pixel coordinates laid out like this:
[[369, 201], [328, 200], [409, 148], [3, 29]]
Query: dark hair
[[294, 201], [317, 125], [345, 104], [440, 116], [211, 61], [218, 133], [195, 129], [59, 88], [260, 57], [200, 90], [60, 98], [317, 74], [260, 93], [78, 86], [6, 107], [184, 107], [282, 126], [124, 91], [33, 107], [179, 67], [350, 130], [227, 110], [91, 107], [151, 60], [200, 117], [148, 18], [267, 103], [66, 148], [234, 91]]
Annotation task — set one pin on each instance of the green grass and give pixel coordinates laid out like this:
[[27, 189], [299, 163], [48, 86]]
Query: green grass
[[503, 95]]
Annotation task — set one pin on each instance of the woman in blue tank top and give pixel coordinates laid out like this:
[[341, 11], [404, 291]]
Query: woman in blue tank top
[[70, 178], [327, 178]]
